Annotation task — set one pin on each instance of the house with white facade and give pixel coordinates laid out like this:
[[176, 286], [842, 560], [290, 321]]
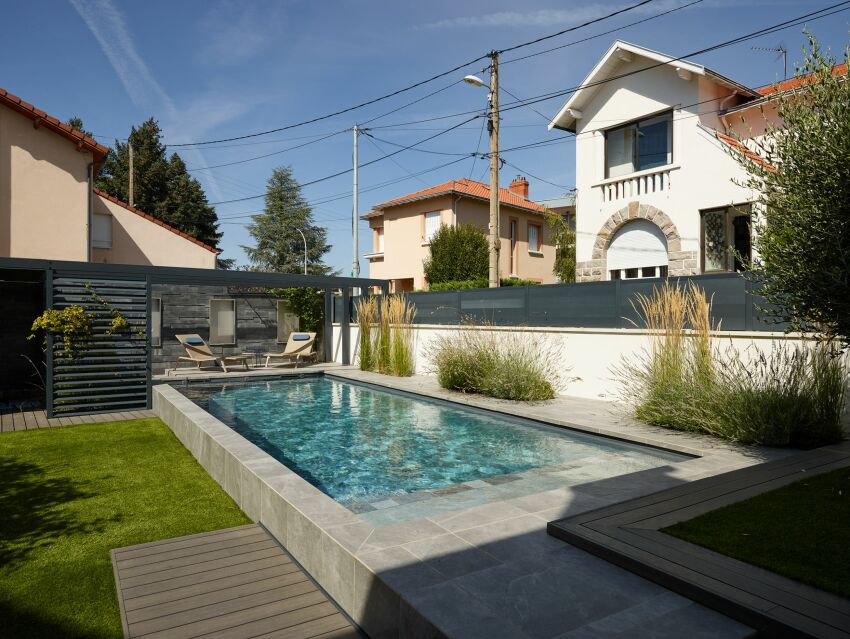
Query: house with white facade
[[658, 192]]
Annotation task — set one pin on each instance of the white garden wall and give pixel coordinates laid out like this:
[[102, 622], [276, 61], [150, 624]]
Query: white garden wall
[[587, 354]]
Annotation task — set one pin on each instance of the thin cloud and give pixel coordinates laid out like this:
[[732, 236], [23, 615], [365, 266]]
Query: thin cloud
[[110, 30], [573, 15], [235, 33]]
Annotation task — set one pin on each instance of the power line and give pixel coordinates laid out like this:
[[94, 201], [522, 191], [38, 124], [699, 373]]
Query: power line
[[349, 170], [560, 186], [412, 86], [268, 155]]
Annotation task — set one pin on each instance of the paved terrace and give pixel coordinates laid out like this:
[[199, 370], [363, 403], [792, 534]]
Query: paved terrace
[[485, 571]]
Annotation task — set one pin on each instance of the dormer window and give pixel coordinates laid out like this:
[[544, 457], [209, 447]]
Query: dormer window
[[638, 146]]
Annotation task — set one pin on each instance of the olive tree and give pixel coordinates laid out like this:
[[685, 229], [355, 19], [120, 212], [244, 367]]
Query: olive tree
[[802, 176]]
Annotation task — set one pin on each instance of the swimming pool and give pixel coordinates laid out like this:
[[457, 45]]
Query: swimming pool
[[361, 445]]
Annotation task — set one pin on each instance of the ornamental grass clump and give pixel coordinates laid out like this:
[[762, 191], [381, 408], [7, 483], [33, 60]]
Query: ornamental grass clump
[[386, 335], [501, 364], [791, 395], [367, 313]]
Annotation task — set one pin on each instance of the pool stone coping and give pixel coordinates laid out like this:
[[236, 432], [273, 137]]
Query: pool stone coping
[[377, 575]]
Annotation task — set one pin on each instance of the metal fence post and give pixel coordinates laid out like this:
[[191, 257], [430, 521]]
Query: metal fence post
[[48, 355], [148, 345], [345, 326], [328, 329]]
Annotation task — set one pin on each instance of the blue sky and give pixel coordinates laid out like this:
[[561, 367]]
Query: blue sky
[[211, 70]]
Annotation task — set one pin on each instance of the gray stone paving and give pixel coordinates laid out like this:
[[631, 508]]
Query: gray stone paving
[[482, 570]]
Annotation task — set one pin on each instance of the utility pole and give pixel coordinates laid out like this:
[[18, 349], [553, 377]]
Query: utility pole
[[493, 127], [130, 185], [355, 209]]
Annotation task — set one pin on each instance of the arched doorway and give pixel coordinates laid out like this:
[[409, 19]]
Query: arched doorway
[[638, 249]]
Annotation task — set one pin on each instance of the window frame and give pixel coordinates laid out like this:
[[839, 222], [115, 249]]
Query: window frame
[[210, 320], [730, 213], [379, 239], [636, 143], [538, 249], [100, 243], [426, 239]]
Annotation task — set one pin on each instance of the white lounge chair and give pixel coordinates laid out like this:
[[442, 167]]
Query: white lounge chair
[[198, 351], [299, 346]]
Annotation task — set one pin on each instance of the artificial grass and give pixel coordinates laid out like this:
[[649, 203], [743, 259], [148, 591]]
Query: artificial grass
[[71, 494], [801, 531]]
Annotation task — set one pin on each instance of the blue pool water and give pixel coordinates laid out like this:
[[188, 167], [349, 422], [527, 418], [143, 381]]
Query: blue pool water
[[357, 444]]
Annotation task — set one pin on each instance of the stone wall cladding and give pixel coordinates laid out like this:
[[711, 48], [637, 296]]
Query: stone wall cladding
[[679, 262], [186, 309]]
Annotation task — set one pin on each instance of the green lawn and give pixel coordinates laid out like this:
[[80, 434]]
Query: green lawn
[[801, 531], [68, 495]]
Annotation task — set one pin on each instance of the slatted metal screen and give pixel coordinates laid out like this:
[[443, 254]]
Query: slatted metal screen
[[109, 371]]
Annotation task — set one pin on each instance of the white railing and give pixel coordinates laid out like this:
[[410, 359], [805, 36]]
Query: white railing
[[637, 184]]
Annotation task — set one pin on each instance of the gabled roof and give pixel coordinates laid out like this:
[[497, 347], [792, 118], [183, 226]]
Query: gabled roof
[[150, 218], [608, 67], [38, 116], [464, 187]]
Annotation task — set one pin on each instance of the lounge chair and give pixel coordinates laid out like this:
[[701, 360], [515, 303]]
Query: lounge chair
[[198, 351], [299, 346]]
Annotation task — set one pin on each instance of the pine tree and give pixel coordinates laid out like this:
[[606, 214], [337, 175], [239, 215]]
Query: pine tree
[[278, 244], [76, 122], [162, 187]]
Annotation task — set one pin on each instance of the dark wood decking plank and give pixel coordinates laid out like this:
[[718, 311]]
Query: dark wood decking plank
[[41, 419], [212, 606], [334, 626], [187, 540], [203, 552], [173, 602], [275, 575], [278, 563], [251, 621], [198, 569], [192, 560]]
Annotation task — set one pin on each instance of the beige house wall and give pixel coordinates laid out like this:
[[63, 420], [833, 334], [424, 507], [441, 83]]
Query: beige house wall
[[136, 240], [43, 192], [405, 248]]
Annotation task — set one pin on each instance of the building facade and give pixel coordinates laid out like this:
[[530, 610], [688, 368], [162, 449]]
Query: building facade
[[658, 191], [49, 208], [402, 227]]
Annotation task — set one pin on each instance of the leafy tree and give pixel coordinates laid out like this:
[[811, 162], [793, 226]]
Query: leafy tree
[[803, 181], [76, 122], [457, 253], [162, 187], [278, 245], [564, 239]]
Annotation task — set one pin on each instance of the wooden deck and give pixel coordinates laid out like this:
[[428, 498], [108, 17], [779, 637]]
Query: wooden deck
[[32, 419], [629, 535], [237, 582]]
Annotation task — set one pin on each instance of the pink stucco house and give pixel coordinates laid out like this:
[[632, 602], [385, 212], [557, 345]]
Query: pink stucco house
[[402, 227], [49, 208]]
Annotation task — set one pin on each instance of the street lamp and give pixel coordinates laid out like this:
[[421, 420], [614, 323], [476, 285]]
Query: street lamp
[[305, 249], [493, 127]]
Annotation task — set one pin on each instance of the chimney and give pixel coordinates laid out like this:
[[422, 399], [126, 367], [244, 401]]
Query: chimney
[[519, 186]]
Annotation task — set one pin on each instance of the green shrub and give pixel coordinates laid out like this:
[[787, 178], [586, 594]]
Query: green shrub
[[500, 364], [456, 285], [481, 282], [792, 395], [457, 253]]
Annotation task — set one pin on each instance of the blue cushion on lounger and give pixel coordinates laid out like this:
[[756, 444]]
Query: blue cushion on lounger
[[300, 337], [194, 341]]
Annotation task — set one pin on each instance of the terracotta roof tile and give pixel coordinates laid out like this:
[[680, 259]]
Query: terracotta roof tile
[[463, 186], [150, 218], [742, 148], [796, 83], [17, 104]]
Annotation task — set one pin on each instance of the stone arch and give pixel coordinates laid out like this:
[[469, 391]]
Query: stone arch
[[679, 262]]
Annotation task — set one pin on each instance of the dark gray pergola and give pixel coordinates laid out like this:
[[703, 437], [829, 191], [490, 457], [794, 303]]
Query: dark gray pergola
[[129, 287]]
